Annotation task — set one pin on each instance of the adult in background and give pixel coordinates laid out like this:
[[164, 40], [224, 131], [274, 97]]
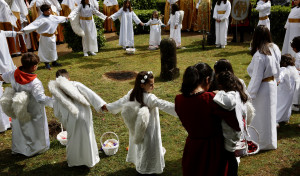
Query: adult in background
[[168, 5], [110, 7], [263, 69]]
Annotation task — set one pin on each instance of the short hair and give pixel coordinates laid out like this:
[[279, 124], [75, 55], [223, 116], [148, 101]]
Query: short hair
[[296, 43], [45, 7], [62, 72], [287, 60], [29, 59]]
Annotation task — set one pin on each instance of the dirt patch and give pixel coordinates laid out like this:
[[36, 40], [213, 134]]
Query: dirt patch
[[120, 75], [54, 128]]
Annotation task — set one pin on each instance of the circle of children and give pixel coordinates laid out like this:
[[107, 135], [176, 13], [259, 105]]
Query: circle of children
[[214, 104]]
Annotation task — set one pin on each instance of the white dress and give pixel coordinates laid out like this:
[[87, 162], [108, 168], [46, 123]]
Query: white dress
[[4, 119], [264, 96], [82, 147], [32, 137], [222, 12], [148, 156], [6, 14], [297, 89], [288, 78], [264, 9], [89, 41], [155, 31], [126, 37], [175, 33], [6, 62], [47, 45], [292, 30]]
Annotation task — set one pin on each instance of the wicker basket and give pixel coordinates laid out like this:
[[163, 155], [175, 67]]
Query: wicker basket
[[62, 137], [130, 50], [242, 148], [111, 150]]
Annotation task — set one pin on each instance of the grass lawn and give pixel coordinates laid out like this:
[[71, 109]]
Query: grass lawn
[[89, 71]]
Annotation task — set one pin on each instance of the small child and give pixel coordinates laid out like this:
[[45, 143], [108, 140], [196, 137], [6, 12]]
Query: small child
[[296, 48], [148, 156], [155, 30], [287, 81], [72, 107], [4, 119], [264, 9], [32, 137], [175, 23], [46, 25]]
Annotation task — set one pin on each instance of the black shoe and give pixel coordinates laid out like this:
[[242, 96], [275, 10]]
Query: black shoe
[[47, 66], [56, 64]]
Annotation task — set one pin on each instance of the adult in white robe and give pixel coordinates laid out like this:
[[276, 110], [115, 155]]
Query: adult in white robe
[[288, 78], [147, 156], [89, 41], [175, 28], [292, 27], [126, 38], [6, 62], [32, 137], [264, 96], [46, 26], [155, 31], [221, 15], [4, 119], [264, 9], [82, 147]]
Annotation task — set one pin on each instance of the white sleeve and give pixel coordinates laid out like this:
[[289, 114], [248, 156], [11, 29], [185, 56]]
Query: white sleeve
[[263, 6], [99, 14], [39, 94], [117, 14], [257, 75], [6, 76], [163, 105], [117, 106], [177, 17], [226, 100], [10, 33], [227, 13], [135, 18], [32, 26], [74, 12], [148, 23]]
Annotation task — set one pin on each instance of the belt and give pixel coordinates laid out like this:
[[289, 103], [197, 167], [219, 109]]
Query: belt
[[86, 18], [221, 12], [263, 18], [268, 79], [47, 35], [154, 24], [294, 20]]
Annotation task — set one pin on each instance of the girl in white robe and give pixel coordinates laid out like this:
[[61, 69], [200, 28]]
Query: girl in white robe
[[4, 119], [155, 30], [287, 81], [221, 15], [148, 156], [126, 38], [6, 62], [263, 69], [175, 23], [31, 137], [82, 147], [292, 27], [264, 9], [86, 12], [296, 48]]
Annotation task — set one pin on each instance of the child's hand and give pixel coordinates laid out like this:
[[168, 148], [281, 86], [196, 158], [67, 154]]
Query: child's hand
[[142, 24], [163, 25], [109, 18], [216, 91], [175, 27], [20, 32], [103, 108]]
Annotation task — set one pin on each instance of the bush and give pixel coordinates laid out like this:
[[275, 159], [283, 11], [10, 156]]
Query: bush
[[75, 42]]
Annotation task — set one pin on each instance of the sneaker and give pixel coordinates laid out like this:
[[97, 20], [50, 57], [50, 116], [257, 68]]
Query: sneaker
[[56, 64], [85, 54], [295, 108], [222, 46], [93, 54], [47, 66]]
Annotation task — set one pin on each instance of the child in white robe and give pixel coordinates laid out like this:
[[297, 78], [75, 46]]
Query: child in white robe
[[296, 48], [155, 30], [264, 9], [86, 12], [4, 119], [82, 147], [175, 23], [46, 25], [126, 38], [30, 137], [221, 15], [148, 155]]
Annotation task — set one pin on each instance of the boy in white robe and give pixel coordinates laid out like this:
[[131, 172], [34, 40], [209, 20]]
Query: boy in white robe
[[30, 137], [76, 116], [264, 9], [4, 119], [46, 25]]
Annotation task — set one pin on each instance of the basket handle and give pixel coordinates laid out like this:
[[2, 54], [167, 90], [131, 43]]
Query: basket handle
[[107, 133], [255, 131], [62, 128]]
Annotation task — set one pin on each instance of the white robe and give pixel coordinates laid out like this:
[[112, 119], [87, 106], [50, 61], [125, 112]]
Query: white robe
[[288, 78], [264, 96], [175, 33], [32, 137], [47, 46], [6, 14], [155, 31], [292, 30], [6, 62], [82, 147], [89, 41], [110, 2], [264, 9], [148, 156], [4, 119], [222, 27], [297, 89], [126, 37]]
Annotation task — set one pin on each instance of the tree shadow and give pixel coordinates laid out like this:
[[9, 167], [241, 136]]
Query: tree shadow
[[125, 172], [8, 160], [287, 131], [293, 171], [96, 63], [229, 53]]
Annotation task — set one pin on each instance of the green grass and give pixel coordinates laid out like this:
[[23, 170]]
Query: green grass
[[89, 71]]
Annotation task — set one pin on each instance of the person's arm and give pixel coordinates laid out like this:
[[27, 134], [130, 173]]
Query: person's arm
[[117, 106], [148, 23], [177, 17], [33, 26], [10, 33], [163, 105], [136, 19], [74, 12], [215, 15], [263, 6], [227, 13], [116, 15], [38, 93], [99, 14]]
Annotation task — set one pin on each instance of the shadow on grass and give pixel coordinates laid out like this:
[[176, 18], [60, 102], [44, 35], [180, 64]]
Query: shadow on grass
[[292, 171], [287, 131], [7, 160], [230, 53]]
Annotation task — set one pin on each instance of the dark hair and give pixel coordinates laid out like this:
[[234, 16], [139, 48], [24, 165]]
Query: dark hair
[[137, 92], [154, 12], [62, 72], [223, 65], [261, 40], [296, 43], [83, 3], [219, 1], [227, 81], [124, 6], [190, 81], [204, 71], [175, 8], [287, 60], [45, 7], [29, 59]]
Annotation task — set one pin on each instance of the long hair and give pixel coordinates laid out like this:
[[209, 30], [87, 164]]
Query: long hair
[[227, 81], [296, 43], [261, 40], [124, 6], [154, 12], [204, 71], [190, 81], [223, 65], [219, 1], [137, 92], [83, 3], [175, 8], [287, 60]]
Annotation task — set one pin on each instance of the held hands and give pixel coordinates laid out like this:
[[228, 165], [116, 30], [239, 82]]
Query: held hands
[[20, 32], [142, 24], [175, 27], [103, 108]]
